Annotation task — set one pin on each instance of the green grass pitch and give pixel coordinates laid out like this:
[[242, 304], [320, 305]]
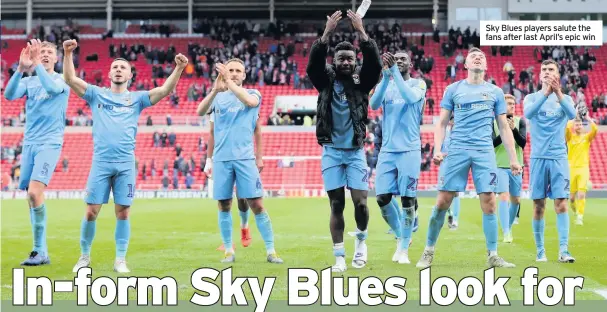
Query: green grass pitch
[[172, 237]]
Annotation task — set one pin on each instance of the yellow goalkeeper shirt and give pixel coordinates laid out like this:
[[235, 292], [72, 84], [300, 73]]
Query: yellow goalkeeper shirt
[[578, 146]]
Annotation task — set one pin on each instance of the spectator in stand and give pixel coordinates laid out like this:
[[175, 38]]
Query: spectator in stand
[[169, 120], [176, 166], [174, 99], [165, 182], [178, 150], [165, 168], [172, 139], [144, 171], [156, 139], [149, 121], [65, 164], [189, 180], [164, 138], [175, 182]]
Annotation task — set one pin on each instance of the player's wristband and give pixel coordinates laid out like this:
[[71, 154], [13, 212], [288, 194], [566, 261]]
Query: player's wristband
[[209, 161]]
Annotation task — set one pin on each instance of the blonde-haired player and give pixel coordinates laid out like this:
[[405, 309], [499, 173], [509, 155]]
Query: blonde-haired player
[[578, 146]]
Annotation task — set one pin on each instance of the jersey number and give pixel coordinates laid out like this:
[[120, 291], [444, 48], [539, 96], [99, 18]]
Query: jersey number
[[566, 184], [366, 176], [130, 195], [412, 184], [44, 171], [493, 178]]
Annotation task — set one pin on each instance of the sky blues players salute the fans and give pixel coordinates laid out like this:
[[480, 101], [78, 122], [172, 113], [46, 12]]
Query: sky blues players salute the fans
[[236, 111], [341, 129], [46, 105], [402, 100], [508, 185], [474, 104], [115, 115], [548, 112]]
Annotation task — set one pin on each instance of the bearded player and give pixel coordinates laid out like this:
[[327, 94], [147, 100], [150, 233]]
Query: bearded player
[[548, 112], [46, 105], [343, 105], [578, 147], [236, 112], [402, 100], [474, 104], [508, 185], [116, 112]]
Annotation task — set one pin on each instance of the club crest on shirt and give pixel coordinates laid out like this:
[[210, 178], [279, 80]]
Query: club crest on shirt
[[127, 101], [356, 78]]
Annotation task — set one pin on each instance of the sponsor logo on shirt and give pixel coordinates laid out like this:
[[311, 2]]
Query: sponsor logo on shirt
[[472, 106], [551, 113], [42, 96], [113, 108]]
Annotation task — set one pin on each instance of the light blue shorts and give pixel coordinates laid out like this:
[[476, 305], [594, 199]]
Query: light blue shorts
[[341, 167], [38, 163], [119, 177], [243, 173], [397, 173], [549, 178], [453, 173]]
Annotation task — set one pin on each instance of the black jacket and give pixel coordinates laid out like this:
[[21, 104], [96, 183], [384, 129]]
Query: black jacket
[[357, 89]]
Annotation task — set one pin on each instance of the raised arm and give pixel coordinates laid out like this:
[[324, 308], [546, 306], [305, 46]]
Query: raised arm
[[593, 129], [250, 99], [531, 104], [317, 63], [168, 86], [565, 100], [218, 86], [371, 67], [380, 91], [15, 88], [48, 83], [411, 95], [69, 73]]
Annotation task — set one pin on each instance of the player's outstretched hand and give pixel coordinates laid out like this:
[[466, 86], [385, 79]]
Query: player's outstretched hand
[[25, 61], [69, 46], [516, 168], [332, 22], [388, 60], [357, 21], [438, 158], [35, 46], [181, 61]]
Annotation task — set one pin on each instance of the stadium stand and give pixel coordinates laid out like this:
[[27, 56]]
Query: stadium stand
[[280, 148]]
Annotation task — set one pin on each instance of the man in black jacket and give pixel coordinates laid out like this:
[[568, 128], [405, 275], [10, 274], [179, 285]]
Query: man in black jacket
[[343, 104]]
